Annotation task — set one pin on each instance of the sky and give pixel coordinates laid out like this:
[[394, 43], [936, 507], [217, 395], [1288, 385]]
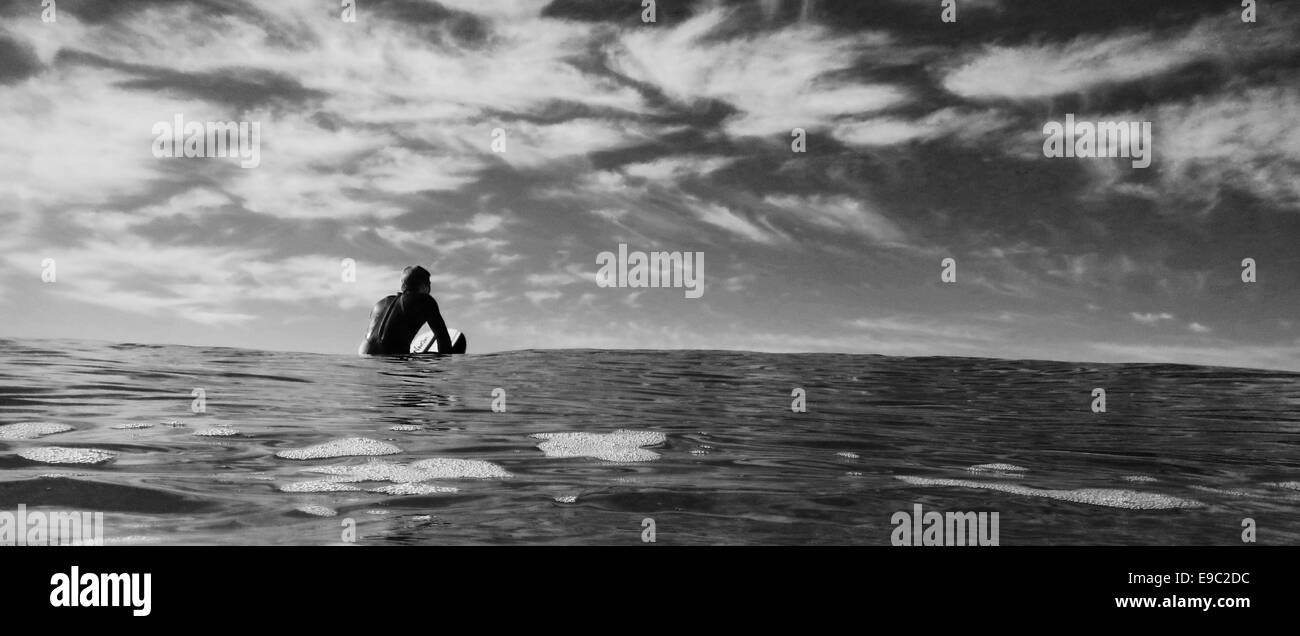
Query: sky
[[924, 141]]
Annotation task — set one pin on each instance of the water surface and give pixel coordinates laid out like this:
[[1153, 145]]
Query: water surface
[[734, 465]]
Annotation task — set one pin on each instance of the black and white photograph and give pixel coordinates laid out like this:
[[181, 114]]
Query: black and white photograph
[[915, 277]]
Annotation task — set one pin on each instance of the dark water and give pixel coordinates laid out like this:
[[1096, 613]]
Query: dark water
[[737, 466]]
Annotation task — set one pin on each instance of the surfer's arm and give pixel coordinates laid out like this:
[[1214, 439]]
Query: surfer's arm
[[367, 343], [439, 328]]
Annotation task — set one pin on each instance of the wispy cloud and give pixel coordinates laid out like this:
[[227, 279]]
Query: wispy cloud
[[1151, 318]]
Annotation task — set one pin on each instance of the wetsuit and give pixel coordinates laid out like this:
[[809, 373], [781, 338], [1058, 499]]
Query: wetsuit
[[396, 319]]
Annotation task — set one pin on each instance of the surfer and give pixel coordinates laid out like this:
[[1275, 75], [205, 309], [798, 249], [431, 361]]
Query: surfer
[[396, 319]]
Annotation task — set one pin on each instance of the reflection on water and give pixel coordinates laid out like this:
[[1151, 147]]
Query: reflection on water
[[1182, 455]]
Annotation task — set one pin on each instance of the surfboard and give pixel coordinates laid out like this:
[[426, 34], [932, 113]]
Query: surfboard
[[424, 342]]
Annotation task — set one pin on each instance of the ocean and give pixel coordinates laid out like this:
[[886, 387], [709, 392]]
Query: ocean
[[625, 447]]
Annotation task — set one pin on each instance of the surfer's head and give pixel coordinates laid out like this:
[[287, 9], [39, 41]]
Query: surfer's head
[[415, 279]]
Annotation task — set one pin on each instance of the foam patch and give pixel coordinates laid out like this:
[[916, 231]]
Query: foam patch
[[619, 446], [1223, 491], [32, 430], [1113, 498], [413, 489], [566, 499], [423, 470], [61, 455], [1290, 485], [1141, 479], [997, 468], [349, 447], [847, 455], [402, 428], [130, 426], [319, 485], [319, 511], [220, 431]]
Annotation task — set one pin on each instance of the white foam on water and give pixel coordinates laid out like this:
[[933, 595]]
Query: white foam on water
[[61, 475], [619, 446], [173, 423], [376, 511], [452, 468], [319, 511], [1290, 485], [319, 485], [997, 468], [348, 447], [566, 499], [135, 539], [1221, 491], [699, 452], [423, 470], [131, 426], [372, 471], [1114, 498], [220, 431], [61, 455], [422, 518], [413, 489], [32, 430], [1141, 479], [847, 454], [404, 427]]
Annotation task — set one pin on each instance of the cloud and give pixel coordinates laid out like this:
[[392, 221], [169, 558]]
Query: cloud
[[840, 213], [1046, 70], [776, 80], [1150, 318], [966, 126], [206, 285], [738, 225], [539, 297], [483, 223], [924, 327], [668, 168], [1280, 356], [1242, 138]]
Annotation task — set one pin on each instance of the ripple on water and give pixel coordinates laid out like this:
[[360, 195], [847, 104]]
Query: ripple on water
[[32, 430], [1114, 498], [619, 446], [61, 455], [348, 447]]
